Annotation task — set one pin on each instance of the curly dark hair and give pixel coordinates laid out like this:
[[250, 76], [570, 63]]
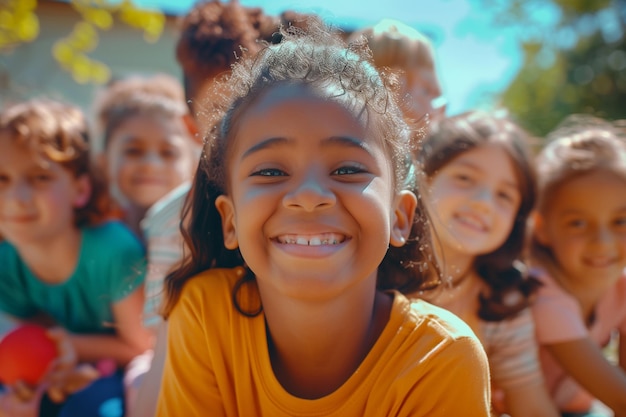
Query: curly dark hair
[[319, 61], [214, 34], [58, 131]]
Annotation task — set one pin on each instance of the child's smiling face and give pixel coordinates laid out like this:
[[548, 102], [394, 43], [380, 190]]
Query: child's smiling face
[[147, 157], [584, 225], [37, 195], [473, 201], [311, 201]]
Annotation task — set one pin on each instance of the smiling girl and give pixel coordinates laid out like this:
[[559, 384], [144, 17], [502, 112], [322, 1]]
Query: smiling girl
[[579, 254], [287, 304], [480, 190], [149, 150]]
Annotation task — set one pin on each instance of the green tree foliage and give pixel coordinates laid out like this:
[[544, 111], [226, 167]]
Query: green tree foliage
[[574, 59], [19, 23]]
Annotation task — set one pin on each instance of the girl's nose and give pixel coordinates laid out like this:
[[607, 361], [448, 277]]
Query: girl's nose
[[483, 199], [603, 236], [151, 158], [20, 192], [310, 194]]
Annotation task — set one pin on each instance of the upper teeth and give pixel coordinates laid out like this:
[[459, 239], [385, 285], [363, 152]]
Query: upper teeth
[[599, 262], [317, 240]]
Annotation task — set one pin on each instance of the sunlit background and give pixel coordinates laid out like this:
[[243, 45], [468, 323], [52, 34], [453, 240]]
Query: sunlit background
[[538, 59], [474, 55]]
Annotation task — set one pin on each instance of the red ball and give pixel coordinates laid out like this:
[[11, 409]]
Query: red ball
[[25, 354]]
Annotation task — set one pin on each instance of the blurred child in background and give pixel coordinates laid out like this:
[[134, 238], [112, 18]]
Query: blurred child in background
[[578, 250], [150, 153], [62, 263], [410, 55], [148, 140], [480, 189]]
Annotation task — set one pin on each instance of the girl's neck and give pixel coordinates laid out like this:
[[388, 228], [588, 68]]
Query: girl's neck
[[133, 215], [315, 349], [456, 266], [53, 261], [458, 287]]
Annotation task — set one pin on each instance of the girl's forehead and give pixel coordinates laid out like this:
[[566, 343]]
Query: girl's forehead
[[281, 100], [491, 159], [292, 112], [26, 153]]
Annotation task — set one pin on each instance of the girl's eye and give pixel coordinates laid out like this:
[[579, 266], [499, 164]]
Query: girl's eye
[[42, 177], [170, 153], [348, 170], [507, 197], [576, 224], [133, 152], [268, 172], [621, 221], [463, 179]]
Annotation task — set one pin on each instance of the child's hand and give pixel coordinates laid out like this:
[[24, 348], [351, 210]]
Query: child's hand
[[18, 403], [65, 376]]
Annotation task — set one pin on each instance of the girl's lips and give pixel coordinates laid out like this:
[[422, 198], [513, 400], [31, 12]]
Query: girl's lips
[[19, 219], [472, 221], [321, 239], [600, 262], [149, 181]]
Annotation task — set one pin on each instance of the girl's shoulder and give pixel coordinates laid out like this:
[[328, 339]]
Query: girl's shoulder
[[612, 306], [547, 281], [446, 323], [218, 284], [110, 248], [9, 259], [108, 228], [113, 235]]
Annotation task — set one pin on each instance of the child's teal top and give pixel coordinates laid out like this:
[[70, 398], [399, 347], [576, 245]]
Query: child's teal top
[[111, 265]]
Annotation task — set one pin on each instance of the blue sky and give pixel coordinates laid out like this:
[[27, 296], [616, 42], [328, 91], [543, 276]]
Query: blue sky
[[473, 57]]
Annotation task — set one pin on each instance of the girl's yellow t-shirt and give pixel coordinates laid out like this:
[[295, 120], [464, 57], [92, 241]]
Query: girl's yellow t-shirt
[[426, 362]]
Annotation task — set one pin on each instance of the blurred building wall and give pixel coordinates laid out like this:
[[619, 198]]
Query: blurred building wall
[[30, 69]]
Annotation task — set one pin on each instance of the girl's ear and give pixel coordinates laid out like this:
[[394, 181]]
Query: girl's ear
[[192, 128], [405, 205], [83, 191], [226, 209], [538, 227]]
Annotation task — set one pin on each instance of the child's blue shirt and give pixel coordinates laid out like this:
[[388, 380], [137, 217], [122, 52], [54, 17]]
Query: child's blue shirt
[[111, 265]]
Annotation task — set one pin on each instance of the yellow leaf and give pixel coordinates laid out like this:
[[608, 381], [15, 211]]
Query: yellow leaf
[[29, 28], [62, 52]]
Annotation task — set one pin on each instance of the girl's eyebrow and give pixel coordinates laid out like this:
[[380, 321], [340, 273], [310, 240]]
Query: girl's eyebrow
[[331, 141], [265, 144], [475, 167], [576, 211], [349, 142]]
